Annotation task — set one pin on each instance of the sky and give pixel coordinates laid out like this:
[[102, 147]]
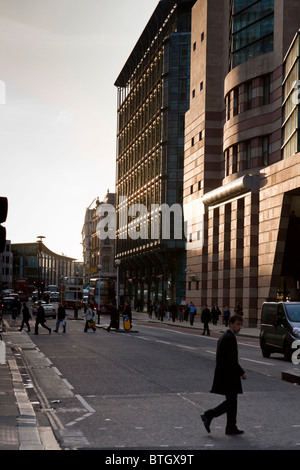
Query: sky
[[59, 60]]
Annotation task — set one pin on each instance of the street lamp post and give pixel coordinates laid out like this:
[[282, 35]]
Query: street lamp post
[[117, 263], [99, 270]]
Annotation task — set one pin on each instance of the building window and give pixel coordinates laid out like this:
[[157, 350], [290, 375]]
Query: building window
[[202, 37], [234, 158], [266, 89], [252, 30], [192, 189], [193, 142], [249, 95], [201, 86], [193, 93], [194, 46], [248, 154], [265, 150], [200, 136], [236, 101], [226, 162], [227, 103]]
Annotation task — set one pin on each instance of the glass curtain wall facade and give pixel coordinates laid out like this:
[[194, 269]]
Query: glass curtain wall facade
[[37, 263], [251, 30], [291, 100], [152, 101]]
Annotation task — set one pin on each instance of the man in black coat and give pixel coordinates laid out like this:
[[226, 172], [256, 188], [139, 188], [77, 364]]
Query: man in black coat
[[40, 319], [227, 378]]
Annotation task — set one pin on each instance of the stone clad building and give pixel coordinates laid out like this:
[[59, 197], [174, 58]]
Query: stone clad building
[[97, 251], [242, 162]]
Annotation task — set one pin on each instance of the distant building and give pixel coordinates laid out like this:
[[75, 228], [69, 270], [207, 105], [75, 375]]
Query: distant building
[[6, 267], [38, 264], [97, 251]]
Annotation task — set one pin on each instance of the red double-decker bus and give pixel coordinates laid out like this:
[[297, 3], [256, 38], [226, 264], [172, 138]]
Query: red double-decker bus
[[21, 288], [71, 291]]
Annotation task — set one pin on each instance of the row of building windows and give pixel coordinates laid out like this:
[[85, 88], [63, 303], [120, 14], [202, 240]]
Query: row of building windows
[[246, 155], [133, 97], [241, 98], [133, 177], [252, 30], [136, 146]]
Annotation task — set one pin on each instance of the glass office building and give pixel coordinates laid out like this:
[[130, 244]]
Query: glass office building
[[251, 30], [153, 97]]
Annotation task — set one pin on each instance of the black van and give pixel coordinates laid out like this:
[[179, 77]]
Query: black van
[[280, 327]]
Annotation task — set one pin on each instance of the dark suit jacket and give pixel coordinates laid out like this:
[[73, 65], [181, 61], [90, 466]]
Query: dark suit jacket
[[228, 372]]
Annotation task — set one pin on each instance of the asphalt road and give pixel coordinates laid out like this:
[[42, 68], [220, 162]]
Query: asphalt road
[[147, 389]]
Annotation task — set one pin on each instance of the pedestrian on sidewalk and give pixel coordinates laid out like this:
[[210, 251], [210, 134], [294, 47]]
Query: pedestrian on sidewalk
[[150, 310], [114, 317], [90, 319], [180, 313], [226, 316], [26, 317], [186, 313], [161, 312], [193, 312], [239, 309], [205, 318], [173, 311], [40, 319], [227, 378], [215, 313], [61, 318]]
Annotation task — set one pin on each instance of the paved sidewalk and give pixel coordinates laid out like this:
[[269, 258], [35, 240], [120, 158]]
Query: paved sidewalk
[[219, 328], [19, 429]]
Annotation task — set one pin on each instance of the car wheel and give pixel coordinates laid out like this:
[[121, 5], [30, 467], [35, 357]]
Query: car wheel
[[265, 351], [287, 352]]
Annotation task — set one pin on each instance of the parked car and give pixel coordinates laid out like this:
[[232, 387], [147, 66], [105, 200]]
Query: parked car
[[48, 308], [280, 327]]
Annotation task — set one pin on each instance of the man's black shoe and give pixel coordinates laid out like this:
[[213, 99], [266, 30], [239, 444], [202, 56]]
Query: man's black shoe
[[206, 422], [232, 432]]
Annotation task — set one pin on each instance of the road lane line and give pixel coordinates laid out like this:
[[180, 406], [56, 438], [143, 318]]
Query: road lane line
[[85, 404], [258, 362]]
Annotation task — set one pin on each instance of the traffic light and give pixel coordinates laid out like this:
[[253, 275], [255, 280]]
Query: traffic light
[[3, 215]]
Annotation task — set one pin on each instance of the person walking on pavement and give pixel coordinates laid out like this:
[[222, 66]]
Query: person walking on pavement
[[90, 319], [193, 312], [227, 378], [226, 316], [61, 318], [40, 319], [114, 317], [173, 311], [15, 309], [215, 313], [205, 318], [26, 317]]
